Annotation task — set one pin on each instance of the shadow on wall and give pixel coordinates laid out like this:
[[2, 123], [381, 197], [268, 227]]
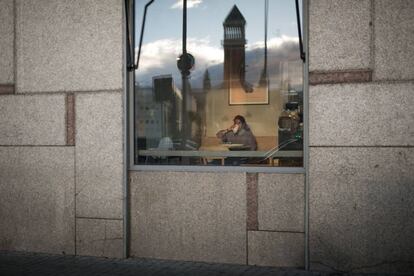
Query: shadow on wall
[[362, 218]]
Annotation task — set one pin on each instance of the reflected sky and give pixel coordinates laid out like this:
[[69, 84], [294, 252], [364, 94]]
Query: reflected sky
[[163, 35], [205, 18]]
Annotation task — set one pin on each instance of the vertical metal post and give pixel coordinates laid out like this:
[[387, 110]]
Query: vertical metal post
[[128, 98], [184, 79], [305, 8], [266, 11], [184, 26]]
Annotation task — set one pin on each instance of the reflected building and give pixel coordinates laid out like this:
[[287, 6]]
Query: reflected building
[[236, 96], [234, 44], [157, 111]]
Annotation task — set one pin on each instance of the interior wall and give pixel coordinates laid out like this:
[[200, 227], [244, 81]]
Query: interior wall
[[261, 118]]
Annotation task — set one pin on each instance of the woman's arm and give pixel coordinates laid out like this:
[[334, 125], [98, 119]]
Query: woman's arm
[[221, 134]]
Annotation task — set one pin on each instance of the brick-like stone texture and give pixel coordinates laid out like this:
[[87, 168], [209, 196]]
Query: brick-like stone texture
[[32, 120], [6, 42], [99, 237], [70, 119], [281, 202], [339, 34], [378, 114], [252, 222], [361, 209], [280, 249], [37, 199], [69, 45], [99, 155], [394, 39], [189, 216], [6, 89], [342, 76]]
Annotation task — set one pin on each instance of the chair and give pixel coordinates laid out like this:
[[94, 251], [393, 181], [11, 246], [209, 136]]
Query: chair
[[270, 153], [165, 143]]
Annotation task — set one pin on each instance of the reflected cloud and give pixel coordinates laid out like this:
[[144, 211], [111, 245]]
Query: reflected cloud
[[160, 57], [161, 53], [274, 42], [190, 4]]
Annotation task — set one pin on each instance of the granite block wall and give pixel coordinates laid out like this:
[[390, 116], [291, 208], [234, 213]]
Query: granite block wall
[[277, 238], [361, 135], [61, 139], [68, 46], [61, 163], [6, 43], [254, 219], [188, 216], [37, 199]]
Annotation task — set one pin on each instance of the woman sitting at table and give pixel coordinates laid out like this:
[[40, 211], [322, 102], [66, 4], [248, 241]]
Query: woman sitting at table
[[238, 133]]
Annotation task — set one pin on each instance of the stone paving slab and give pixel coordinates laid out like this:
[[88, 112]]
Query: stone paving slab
[[19, 263]]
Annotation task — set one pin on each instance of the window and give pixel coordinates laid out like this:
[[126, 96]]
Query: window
[[218, 83]]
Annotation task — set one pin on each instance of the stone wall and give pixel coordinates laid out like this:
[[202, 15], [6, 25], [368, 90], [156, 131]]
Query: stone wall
[[61, 163], [61, 108], [361, 135], [254, 219]]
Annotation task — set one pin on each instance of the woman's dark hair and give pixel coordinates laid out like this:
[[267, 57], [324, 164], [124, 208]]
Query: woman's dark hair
[[240, 118]]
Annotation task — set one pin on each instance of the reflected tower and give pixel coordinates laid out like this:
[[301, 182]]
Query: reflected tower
[[234, 46]]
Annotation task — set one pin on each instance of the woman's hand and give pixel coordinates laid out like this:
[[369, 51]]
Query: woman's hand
[[230, 128]]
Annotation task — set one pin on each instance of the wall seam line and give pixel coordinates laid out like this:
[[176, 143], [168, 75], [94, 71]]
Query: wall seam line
[[376, 82], [277, 231], [98, 218], [101, 91], [372, 41], [246, 182], [75, 197], [37, 146], [247, 246], [360, 146], [15, 46]]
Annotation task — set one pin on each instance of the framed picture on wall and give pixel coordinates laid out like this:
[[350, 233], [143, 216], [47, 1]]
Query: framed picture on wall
[[246, 94]]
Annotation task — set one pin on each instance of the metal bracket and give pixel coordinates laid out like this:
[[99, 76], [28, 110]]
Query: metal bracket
[[302, 53], [132, 64]]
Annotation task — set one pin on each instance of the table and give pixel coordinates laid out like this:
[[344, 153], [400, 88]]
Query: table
[[219, 153]]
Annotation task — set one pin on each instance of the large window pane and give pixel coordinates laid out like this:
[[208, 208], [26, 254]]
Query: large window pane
[[240, 103]]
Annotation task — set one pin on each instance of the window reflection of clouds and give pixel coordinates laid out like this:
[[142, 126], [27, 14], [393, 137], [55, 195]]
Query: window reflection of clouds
[[161, 52], [159, 57], [190, 4], [162, 40], [206, 18]]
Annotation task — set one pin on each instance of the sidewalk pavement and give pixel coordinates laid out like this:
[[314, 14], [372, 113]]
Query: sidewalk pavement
[[20, 263], [39, 264]]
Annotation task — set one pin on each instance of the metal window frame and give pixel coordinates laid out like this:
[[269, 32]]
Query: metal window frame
[[128, 126], [305, 28], [194, 168]]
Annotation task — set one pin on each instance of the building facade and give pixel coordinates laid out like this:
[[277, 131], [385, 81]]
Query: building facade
[[66, 185]]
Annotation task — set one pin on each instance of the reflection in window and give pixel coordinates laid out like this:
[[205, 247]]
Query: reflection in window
[[241, 103]]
